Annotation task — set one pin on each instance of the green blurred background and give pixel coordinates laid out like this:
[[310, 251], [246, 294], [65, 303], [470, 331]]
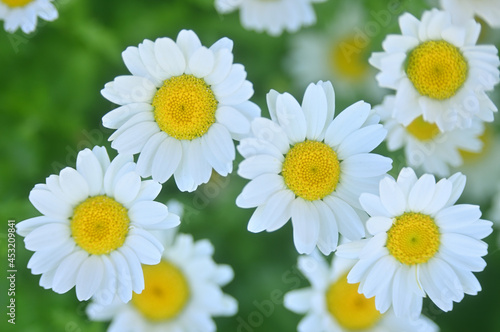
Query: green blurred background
[[51, 107]]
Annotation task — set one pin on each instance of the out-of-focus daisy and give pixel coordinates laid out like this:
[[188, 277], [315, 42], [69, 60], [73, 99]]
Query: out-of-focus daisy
[[422, 244], [24, 13], [464, 10], [331, 304], [181, 108], [438, 71], [272, 16], [95, 231], [425, 146], [338, 54], [306, 165], [182, 293], [481, 169]]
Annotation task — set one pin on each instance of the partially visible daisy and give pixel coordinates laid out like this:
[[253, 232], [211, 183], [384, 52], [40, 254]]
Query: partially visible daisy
[[272, 16], [422, 244], [438, 71], [181, 108], [182, 293], [338, 54], [426, 147], [306, 165], [24, 14], [481, 168], [331, 304], [464, 10], [95, 231]]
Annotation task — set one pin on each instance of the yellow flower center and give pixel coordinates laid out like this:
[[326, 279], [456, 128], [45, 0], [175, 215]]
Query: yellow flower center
[[165, 294], [487, 137], [16, 3], [311, 170], [437, 69], [352, 311], [348, 59], [422, 130], [413, 238], [184, 107], [100, 225]]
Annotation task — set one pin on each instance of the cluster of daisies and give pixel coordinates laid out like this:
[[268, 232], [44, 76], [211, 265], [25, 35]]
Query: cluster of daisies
[[396, 241]]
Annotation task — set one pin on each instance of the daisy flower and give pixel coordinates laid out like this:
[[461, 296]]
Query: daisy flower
[[422, 244], [181, 108], [306, 165], [24, 14], [182, 293], [272, 16], [463, 10], [331, 304], [425, 146], [339, 54], [95, 229], [438, 71]]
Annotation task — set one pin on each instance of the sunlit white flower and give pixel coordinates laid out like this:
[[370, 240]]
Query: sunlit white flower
[[272, 16], [425, 146], [463, 10], [182, 293], [331, 304], [438, 71], [306, 165], [95, 231], [24, 13], [422, 244], [182, 107], [338, 54]]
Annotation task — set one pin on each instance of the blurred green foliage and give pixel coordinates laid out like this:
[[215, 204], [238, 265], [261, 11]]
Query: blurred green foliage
[[50, 108]]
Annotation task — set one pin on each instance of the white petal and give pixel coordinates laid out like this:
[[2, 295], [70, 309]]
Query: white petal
[[348, 220], [218, 149], [269, 131], [114, 168], [422, 192], [146, 251], [328, 229], [291, 117], [89, 167], [349, 120], [89, 277], [47, 236], [366, 165], [363, 140], [127, 187], [148, 212], [133, 139], [25, 227], [167, 159], [258, 191], [48, 204], [392, 197], [201, 62], [233, 120], [67, 271], [148, 153], [169, 56], [276, 210], [124, 282], [378, 224], [305, 221], [257, 165], [188, 42], [315, 110], [135, 268], [298, 301]]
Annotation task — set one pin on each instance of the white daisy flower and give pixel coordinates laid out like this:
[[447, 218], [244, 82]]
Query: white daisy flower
[[422, 244], [24, 14], [464, 10], [305, 165], [338, 54], [331, 304], [182, 293], [181, 108], [272, 16], [425, 146], [95, 230], [438, 71]]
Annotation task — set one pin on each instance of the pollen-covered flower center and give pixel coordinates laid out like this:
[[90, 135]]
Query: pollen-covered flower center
[[184, 107], [348, 59], [16, 3], [413, 238], [165, 294], [351, 310], [100, 225], [311, 170], [422, 130], [437, 69]]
